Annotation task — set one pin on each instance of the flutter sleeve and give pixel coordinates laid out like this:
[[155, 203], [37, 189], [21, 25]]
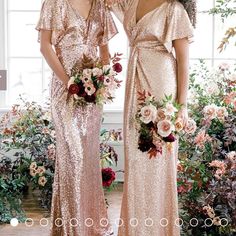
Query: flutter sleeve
[[109, 29], [51, 18], [178, 26], [118, 7]]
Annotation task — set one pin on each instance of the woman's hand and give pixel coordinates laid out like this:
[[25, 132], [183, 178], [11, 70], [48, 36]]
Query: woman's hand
[[183, 115]]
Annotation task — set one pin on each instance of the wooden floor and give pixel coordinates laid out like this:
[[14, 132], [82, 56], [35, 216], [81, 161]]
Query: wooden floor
[[36, 213]]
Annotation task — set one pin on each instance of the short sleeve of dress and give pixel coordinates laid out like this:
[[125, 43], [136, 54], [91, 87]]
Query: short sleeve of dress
[[119, 8], [51, 18], [109, 28], [178, 26]]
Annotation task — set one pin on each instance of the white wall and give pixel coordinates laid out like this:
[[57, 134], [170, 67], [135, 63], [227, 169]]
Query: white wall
[[2, 46]]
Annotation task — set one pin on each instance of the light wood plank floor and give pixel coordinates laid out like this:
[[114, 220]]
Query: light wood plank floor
[[36, 213]]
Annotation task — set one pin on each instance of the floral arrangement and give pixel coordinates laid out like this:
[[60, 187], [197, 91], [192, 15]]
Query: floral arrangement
[[92, 82], [158, 123], [113, 135], [12, 185], [207, 166], [108, 158], [27, 131]]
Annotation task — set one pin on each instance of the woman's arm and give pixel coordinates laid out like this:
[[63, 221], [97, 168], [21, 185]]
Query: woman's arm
[[104, 54], [181, 47], [51, 57]]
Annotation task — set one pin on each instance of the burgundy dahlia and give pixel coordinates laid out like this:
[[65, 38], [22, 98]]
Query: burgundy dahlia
[[74, 89], [108, 176], [117, 67], [170, 139]]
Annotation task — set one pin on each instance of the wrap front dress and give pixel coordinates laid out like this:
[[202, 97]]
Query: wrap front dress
[[150, 203]]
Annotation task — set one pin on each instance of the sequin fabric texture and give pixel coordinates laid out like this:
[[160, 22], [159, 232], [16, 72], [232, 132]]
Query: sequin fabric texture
[[150, 204], [78, 204]]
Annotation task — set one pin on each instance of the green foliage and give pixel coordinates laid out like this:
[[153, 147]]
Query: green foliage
[[207, 170], [27, 143]]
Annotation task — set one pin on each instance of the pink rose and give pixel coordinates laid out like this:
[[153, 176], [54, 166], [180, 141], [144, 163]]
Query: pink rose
[[221, 113], [179, 125], [210, 111], [232, 156], [148, 114], [161, 114], [165, 127], [191, 126], [229, 98], [201, 139], [224, 66]]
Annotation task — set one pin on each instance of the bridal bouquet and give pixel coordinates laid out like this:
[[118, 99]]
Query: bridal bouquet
[[158, 123], [91, 82]]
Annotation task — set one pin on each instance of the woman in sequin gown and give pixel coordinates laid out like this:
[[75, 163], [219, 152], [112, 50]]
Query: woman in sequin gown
[[150, 203], [78, 204]]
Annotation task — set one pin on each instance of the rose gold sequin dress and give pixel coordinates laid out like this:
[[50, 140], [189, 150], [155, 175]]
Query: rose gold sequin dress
[[150, 205], [78, 205]]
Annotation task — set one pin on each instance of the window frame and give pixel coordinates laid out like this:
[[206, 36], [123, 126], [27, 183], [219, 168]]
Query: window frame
[[5, 58]]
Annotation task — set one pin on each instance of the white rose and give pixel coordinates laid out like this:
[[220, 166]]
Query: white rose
[[232, 78], [87, 73], [212, 88], [71, 81], [97, 72], [105, 68], [112, 72], [148, 114]]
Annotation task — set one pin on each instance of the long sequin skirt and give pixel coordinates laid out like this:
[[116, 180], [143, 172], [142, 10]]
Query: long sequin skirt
[[150, 203], [78, 204]]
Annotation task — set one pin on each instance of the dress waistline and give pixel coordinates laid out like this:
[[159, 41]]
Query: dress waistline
[[148, 45]]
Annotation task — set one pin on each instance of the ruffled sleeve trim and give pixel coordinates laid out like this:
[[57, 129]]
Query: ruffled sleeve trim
[[109, 28], [178, 26], [51, 16]]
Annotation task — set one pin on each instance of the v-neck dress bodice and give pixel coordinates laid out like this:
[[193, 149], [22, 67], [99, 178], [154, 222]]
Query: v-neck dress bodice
[[72, 35], [150, 204]]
